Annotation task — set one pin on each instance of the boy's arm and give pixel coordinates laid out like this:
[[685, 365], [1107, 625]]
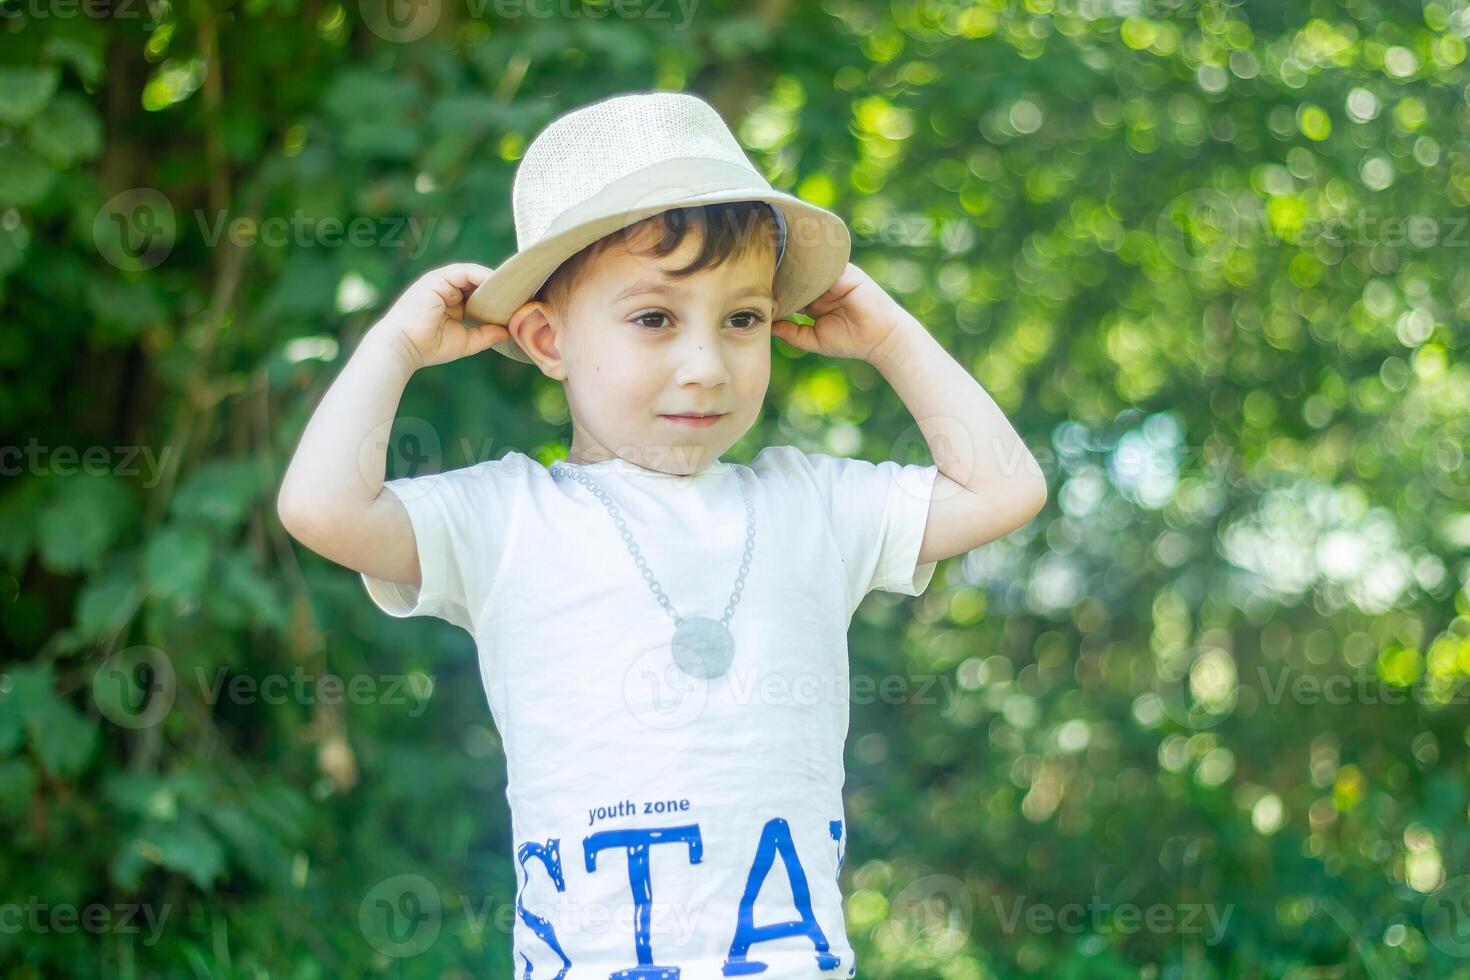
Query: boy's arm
[[331, 498], [989, 484]]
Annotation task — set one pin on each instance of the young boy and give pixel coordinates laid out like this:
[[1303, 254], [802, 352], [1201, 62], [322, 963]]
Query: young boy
[[661, 632]]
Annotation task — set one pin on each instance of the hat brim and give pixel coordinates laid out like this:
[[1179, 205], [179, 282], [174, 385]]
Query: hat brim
[[818, 244]]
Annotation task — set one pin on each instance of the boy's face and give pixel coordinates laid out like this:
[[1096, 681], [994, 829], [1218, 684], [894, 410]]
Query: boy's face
[[634, 347]]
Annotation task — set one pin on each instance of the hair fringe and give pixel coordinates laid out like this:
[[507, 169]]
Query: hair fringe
[[727, 230]]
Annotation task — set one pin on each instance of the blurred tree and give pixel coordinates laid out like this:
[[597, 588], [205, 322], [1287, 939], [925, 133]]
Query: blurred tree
[[1203, 718]]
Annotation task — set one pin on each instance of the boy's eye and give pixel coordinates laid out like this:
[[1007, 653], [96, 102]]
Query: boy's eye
[[649, 316], [744, 320], [751, 319]]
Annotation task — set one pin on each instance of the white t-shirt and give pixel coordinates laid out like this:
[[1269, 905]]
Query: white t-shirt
[[689, 827]]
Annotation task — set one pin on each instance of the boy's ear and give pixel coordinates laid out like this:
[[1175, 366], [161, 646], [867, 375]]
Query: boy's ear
[[534, 326]]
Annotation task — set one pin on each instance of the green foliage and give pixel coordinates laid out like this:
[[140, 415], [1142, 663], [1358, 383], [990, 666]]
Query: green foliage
[[1209, 256]]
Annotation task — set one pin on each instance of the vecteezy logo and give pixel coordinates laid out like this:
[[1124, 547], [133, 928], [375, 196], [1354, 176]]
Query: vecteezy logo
[[1198, 229], [134, 688], [661, 695], [933, 914], [1447, 916], [135, 229], [400, 21], [1447, 459], [401, 916], [411, 447], [1197, 687]]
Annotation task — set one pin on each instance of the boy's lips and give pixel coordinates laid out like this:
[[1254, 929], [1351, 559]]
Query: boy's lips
[[699, 419]]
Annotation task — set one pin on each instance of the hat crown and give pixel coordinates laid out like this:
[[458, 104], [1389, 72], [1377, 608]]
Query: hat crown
[[581, 152]]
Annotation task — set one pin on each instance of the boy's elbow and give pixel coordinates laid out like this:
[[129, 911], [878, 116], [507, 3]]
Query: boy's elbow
[[293, 516], [1035, 494]]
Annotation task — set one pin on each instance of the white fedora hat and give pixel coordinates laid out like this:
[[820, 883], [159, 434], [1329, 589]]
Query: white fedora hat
[[610, 164]]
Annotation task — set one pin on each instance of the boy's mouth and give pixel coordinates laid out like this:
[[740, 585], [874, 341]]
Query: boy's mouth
[[698, 419]]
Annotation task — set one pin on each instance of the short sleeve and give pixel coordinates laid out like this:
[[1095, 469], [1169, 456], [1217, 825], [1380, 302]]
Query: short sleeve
[[877, 513], [461, 521]]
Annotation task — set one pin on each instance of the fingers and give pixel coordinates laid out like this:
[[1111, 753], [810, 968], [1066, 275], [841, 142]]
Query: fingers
[[449, 294], [479, 337], [453, 283], [802, 338], [485, 336], [850, 279], [466, 273]]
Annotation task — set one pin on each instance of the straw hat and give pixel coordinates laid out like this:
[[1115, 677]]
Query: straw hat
[[610, 164]]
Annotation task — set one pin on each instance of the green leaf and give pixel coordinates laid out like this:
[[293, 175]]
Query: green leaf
[[82, 521], [458, 113], [18, 514], [739, 37], [67, 132], [64, 739], [617, 44], [185, 846], [12, 731], [379, 115], [61, 736], [246, 597], [24, 176], [258, 850], [129, 303], [105, 601], [283, 808], [128, 865], [14, 243], [142, 794], [83, 55], [198, 787], [25, 90], [176, 563], [359, 94], [379, 141], [220, 491], [307, 287], [32, 689], [200, 962], [17, 784]]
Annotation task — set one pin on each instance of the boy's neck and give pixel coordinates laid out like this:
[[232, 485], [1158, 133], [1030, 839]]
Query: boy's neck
[[587, 457]]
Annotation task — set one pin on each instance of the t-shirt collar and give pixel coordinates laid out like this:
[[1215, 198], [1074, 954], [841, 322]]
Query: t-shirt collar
[[617, 466]]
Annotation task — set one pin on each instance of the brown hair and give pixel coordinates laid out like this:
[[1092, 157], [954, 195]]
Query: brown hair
[[729, 231]]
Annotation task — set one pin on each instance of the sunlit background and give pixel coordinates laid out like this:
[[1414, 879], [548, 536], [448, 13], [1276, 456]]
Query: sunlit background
[[1205, 717]]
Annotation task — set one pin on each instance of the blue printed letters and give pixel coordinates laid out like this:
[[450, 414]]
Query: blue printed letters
[[637, 843], [775, 841]]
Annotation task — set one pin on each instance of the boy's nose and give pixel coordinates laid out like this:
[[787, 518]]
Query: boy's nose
[[702, 360]]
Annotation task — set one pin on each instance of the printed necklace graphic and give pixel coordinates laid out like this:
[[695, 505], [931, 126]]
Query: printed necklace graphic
[[702, 647]]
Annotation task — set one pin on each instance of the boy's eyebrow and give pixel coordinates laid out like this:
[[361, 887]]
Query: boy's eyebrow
[[645, 286], [757, 291], [654, 286]]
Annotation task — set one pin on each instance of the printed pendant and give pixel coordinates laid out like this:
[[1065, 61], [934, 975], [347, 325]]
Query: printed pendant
[[703, 647]]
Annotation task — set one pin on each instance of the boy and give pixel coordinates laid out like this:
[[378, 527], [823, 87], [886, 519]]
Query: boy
[[662, 633]]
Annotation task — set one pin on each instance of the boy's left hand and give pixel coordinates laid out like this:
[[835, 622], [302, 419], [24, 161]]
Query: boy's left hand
[[853, 319]]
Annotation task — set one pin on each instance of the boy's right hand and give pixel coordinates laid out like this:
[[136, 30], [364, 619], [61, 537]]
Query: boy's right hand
[[426, 323]]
